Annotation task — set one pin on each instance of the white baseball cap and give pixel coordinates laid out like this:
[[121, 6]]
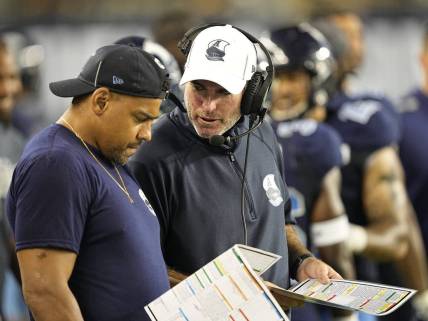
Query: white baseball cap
[[221, 54]]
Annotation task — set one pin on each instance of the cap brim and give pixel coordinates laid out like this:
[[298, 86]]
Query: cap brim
[[70, 88], [231, 84]]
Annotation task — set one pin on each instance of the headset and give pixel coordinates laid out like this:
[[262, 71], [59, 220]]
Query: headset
[[257, 87]]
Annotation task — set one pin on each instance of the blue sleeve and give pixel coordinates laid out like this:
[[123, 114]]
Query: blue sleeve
[[383, 130], [317, 153], [328, 154], [366, 125], [50, 203]]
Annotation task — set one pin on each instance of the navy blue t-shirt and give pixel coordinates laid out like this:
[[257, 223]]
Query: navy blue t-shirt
[[60, 197], [310, 151], [414, 154]]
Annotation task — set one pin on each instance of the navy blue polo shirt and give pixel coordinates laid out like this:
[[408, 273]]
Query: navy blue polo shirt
[[60, 197]]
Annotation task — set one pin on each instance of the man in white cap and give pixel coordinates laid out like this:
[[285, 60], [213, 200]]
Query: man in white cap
[[207, 192]]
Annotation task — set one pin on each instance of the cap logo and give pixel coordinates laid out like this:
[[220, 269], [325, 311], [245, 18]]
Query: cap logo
[[117, 81], [216, 50]]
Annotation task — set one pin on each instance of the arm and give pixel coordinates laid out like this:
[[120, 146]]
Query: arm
[[329, 207], [175, 277], [384, 200], [45, 274], [413, 266], [310, 267]]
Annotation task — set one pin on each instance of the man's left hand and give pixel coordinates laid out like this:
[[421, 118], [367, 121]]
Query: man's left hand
[[313, 268]]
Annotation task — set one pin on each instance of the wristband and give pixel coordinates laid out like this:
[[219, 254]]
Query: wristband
[[357, 240], [297, 262], [331, 231]]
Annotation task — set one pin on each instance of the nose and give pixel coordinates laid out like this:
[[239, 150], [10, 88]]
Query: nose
[[209, 103], [6, 87], [285, 86], [145, 132]]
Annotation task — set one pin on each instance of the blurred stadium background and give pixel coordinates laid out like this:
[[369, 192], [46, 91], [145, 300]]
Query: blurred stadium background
[[69, 30]]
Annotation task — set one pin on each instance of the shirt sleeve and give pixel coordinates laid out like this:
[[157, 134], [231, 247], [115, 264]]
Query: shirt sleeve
[[327, 154], [51, 204]]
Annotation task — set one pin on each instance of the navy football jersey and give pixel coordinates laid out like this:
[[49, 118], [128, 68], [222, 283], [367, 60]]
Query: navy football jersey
[[365, 124], [310, 151], [414, 154]]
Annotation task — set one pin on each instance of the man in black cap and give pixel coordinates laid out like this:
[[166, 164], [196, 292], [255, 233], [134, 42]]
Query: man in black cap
[[87, 239]]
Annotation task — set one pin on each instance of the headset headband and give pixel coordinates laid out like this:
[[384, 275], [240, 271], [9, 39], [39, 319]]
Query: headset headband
[[185, 44]]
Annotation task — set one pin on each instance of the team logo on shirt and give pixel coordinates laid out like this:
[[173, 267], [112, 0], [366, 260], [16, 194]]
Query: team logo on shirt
[[273, 193], [146, 201], [359, 112], [304, 127], [298, 208]]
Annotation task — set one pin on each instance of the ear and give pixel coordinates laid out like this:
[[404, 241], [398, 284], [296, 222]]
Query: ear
[[100, 100], [423, 59]]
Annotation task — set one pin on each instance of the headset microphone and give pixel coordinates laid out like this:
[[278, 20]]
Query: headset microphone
[[218, 140]]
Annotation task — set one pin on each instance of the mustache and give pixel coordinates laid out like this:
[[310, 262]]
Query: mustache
[[211, 116], [134, 145]]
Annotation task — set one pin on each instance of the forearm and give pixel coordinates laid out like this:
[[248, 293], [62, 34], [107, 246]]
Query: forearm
[[413, 266], [53, 305], [296, 250], [329, 225], [387, 232], [295, 246]]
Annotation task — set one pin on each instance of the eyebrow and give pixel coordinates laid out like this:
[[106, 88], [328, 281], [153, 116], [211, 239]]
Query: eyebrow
[[145, 114], [220, 89]]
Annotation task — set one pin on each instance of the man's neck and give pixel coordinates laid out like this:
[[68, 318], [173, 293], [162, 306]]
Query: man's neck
[[78, 123]]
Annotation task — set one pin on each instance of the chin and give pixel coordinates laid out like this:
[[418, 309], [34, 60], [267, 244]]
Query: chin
[[120, 158], [204, 133]]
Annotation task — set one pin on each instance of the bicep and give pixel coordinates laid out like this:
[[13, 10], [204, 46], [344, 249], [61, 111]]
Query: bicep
[[50, 207], [329, 203], [44, 268], [383, 185]]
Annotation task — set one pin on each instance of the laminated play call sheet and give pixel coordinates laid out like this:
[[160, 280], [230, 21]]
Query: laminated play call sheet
[[227, 288], [371, 298]]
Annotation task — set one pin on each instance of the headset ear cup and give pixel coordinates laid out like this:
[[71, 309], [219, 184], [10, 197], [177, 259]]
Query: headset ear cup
[[248, 105]]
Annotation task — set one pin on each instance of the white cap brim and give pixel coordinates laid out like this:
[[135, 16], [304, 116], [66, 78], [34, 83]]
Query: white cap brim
[[231, 84]]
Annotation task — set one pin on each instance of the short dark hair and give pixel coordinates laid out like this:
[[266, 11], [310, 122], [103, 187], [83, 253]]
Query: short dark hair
[[3, 44], [79, 99]]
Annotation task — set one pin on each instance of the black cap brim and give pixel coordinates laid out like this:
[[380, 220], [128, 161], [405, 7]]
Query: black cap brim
[[71, 88]]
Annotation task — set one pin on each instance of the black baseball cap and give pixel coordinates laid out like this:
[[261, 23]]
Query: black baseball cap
[[123, 69]]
